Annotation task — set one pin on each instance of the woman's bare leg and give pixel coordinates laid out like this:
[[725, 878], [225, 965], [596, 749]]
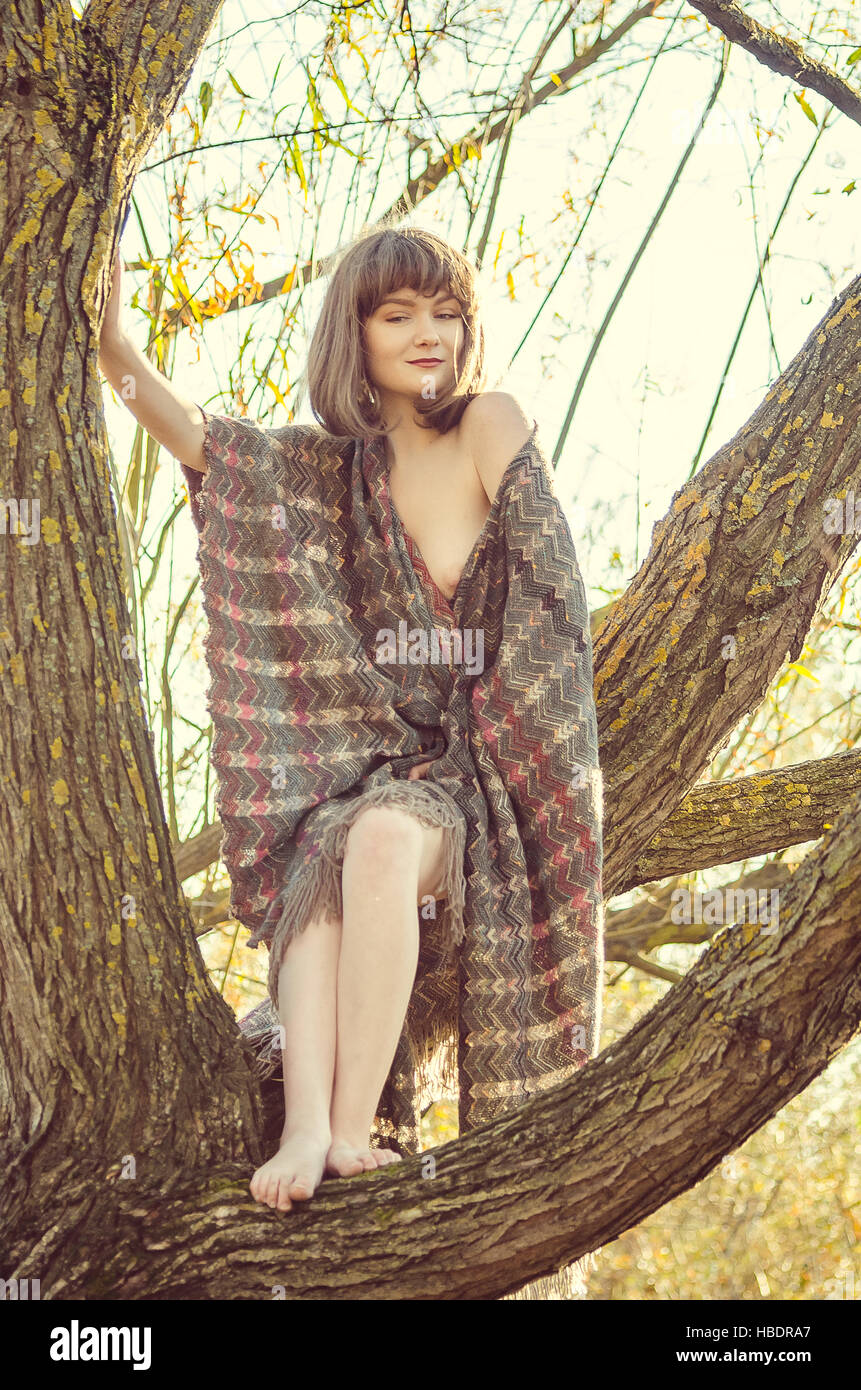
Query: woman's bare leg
[[315, 996], [306, 1009], [389, 858]]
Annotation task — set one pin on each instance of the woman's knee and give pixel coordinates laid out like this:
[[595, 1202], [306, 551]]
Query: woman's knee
[[383, 839], [384, 834]]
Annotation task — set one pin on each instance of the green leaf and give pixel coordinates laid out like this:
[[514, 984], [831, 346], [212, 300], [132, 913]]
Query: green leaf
[[205, 99], [342, 89], [237, 86], [316, 112], [298, 164], [806, 108]]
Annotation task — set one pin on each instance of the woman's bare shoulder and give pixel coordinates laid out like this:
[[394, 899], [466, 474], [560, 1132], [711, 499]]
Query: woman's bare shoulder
[[494, 428]]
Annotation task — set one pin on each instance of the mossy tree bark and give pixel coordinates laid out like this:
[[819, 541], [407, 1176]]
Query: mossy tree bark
[[129, 1116], [149, 1073]]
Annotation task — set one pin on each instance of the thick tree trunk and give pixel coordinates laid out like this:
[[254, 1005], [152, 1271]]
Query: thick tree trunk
[[90, 906]]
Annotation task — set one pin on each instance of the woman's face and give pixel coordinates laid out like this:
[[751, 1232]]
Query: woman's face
[[412, 342]]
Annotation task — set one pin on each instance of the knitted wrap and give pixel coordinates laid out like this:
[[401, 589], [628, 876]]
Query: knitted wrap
[[336, 665]]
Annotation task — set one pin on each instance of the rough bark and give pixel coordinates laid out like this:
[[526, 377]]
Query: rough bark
[[722, 822], [749, 1027], [89, 900]]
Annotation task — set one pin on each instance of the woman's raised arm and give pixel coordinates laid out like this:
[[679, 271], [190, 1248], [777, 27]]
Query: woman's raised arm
[[164, 412]]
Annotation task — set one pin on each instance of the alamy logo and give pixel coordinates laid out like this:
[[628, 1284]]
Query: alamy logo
[[718, 906], [12, 1289], [842, 517], [21, 518], [441, 647], [76, 1343]]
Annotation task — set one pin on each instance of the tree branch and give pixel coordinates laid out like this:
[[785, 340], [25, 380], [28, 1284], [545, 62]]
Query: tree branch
[[736, 572], [781, 54], [195, 854], [648, 924], [749, 1027], [722, 822]]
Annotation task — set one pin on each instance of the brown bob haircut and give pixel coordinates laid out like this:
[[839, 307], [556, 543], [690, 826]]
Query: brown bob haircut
[[382, 260]]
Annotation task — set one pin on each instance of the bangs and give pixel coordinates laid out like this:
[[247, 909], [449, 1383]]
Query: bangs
[[405, 263]]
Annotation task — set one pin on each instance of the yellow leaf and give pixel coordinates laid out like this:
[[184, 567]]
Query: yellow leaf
[[803, 671]]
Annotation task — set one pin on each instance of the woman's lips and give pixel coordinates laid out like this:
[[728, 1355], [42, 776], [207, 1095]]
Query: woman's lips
[[426, 362]]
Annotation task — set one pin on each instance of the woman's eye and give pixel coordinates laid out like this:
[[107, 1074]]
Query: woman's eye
[[446, 314]]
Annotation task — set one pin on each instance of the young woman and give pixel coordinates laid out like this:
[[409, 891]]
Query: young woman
[[395, 374]]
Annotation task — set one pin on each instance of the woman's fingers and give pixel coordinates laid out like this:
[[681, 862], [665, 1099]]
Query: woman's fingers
[[419, 770], [111, 322]]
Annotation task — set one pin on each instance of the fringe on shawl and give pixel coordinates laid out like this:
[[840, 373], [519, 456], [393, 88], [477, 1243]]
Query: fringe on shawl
[[315, 889]]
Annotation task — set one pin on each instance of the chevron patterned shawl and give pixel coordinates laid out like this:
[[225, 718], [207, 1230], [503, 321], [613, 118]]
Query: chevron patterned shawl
[[335, 666]]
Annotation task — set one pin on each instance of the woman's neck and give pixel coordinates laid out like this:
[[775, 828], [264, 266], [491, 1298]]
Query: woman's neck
[[407, 440]]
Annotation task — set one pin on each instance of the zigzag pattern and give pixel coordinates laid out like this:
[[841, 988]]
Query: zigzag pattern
[[303, 560]]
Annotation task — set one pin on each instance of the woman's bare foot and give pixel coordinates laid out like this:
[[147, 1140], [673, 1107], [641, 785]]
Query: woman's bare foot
[[295, 1171], [382, 1157], [345, 1159]]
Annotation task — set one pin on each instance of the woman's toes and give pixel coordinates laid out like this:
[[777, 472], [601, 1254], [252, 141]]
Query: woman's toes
[[292, 1174], [347, 1161], [302, 1187], [337, 1165], [346, 1165]]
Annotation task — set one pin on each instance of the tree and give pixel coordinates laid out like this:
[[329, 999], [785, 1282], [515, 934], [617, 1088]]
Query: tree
[[149, 1080]]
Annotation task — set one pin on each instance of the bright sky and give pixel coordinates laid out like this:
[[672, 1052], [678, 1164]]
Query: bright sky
[[641, 415], [642, 412]]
